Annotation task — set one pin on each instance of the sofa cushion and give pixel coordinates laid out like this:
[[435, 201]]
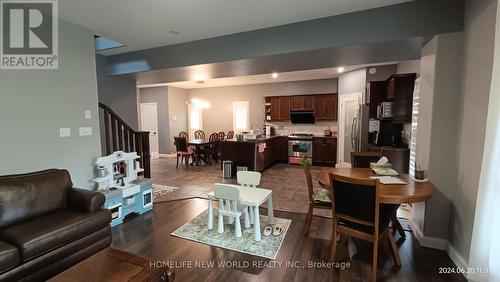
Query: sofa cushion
[[9, 257], [45, 233], [25, 196]]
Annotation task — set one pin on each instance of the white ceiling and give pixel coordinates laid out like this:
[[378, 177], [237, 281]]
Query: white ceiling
[[264, 78], [148, 23]]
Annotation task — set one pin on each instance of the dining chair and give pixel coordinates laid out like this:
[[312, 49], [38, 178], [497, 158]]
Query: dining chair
[[363, 159], [230, 206], [222, 135], [184, 134], [199, 134], [230, 134], [249, 179], [357, 212], [317, 199], [182, 149], [213, 147]]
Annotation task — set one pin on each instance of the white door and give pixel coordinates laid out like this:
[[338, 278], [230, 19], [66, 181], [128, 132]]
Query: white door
[[349, 112], [149, 122]]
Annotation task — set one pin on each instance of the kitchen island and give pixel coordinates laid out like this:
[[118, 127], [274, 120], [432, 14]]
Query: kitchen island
[[256, 155]]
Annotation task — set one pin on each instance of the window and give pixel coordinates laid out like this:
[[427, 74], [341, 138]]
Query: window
[[414, 125], [195, 118], [241, 116]]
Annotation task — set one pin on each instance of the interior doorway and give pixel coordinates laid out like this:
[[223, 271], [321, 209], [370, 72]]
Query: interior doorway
[[149, 122], [348, 113]]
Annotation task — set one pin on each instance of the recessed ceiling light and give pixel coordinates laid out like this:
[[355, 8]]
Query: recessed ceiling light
[[340, 69], [274, 75], [174, 32]]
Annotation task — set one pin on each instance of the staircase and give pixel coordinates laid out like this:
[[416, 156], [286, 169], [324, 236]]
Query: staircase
[[118, 136]]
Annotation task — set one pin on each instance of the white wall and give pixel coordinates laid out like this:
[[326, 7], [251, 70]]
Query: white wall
[[219, 117], [412, 66], [34, 104], [480, 18], [485, 246], [352, 82]]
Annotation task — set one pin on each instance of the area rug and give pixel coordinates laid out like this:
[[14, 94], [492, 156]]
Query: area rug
[[160, 190], [197, 230]]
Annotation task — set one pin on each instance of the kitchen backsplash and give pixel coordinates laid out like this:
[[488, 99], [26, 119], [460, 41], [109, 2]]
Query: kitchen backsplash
[[286, 128]]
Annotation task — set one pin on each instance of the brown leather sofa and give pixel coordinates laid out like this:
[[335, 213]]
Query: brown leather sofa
[[46, 225]]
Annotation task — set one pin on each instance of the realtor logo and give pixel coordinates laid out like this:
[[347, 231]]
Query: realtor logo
[[29, 34]]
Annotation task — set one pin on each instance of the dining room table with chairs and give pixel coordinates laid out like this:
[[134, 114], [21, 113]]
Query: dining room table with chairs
[[201, 149], [364, 202]]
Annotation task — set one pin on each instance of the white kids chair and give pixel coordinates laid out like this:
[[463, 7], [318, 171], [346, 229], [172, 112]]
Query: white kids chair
[[229, 205], [249, 179]]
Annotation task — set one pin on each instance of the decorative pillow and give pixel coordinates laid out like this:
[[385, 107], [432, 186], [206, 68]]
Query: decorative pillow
[[321, 195]]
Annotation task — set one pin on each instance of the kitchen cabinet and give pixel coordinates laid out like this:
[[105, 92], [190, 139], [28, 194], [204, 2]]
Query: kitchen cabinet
[[325, 106], [324, 151], [331, 107], [296, 102], [274, 108], [400, 91], [284, 108], [281, 149], [302, 102], [376, 93], [308, 102]]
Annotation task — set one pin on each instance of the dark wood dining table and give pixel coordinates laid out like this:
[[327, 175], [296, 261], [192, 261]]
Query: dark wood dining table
[[412, 192], [198, 144]]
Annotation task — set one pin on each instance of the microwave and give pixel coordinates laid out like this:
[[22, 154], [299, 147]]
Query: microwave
[[384, 110]]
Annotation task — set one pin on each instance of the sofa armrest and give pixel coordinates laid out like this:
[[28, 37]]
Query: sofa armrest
[[84, 200]]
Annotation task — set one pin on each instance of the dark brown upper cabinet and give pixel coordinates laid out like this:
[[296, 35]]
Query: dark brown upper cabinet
[[376, 92], [324, 106], [400, 90], [284, 108]]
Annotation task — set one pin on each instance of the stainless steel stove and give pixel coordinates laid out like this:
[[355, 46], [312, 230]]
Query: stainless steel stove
[[299, 146], [301, 136]]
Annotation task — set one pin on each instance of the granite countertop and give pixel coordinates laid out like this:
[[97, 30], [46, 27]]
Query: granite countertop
[[258, 140]]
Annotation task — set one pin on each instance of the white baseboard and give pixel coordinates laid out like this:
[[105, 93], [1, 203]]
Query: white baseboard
[[426, 241], [456, 257], [440, 244]]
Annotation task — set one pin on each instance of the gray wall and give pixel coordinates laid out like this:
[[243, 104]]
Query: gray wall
[[440, 102], [480, 19], [219, 117], [159, 95], [177, 108], [34, 104], [342, 30], [119, 93], [383, 73]]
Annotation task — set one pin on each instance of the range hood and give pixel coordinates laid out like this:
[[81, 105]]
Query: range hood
[[302, 117]]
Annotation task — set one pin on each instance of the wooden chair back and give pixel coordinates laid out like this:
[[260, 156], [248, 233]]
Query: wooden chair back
[[184, 134], [363, 159], [248, 178], [180, 144], [310, 187], [199, 134], [213, 139], [355, 200], [222, 136], [229, 198], [230, 134]]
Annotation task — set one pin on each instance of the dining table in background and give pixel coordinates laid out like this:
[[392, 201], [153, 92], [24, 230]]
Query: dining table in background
[[198, 144]]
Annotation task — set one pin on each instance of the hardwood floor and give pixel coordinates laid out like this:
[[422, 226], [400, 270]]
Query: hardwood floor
[[287, 182], [149, 235]]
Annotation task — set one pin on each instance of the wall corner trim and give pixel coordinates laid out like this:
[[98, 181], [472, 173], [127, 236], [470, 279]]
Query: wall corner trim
[[429, 242]]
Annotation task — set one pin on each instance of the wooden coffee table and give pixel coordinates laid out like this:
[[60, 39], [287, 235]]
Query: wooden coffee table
[[115, 265]]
